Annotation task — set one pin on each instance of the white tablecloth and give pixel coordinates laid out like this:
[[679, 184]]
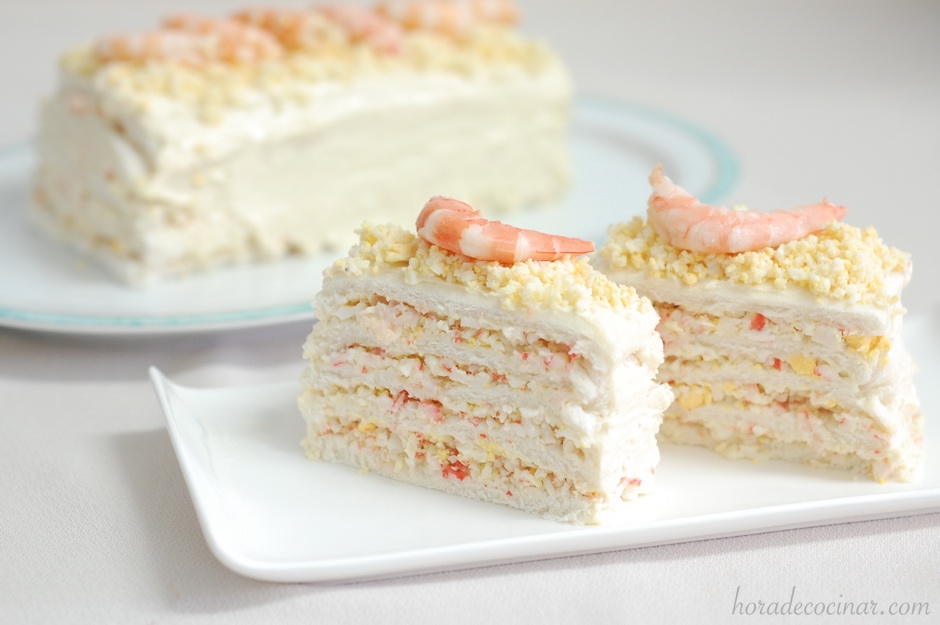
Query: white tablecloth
[[837, 98]]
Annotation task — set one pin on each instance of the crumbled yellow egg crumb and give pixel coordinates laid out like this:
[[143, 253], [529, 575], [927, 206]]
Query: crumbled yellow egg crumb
[[693, 396], [841, 262], [567, 285], [492, 449], [802, 364], [869, 346]]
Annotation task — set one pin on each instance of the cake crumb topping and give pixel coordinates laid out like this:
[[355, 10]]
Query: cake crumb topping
[[841, 262], [565, 285]]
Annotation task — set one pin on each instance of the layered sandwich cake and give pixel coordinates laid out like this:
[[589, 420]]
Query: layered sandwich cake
[[482, 371], [782, 332], [218, 140]]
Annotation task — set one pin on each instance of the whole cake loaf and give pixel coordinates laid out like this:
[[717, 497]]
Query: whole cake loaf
[[485, 361], [782, 331], [270, 132]]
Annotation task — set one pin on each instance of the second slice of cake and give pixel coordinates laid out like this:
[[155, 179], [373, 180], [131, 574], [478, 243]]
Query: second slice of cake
[[782, 332], [526, 383]]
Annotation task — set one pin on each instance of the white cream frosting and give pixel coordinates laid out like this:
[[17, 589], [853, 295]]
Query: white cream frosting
[[166, 191], [723, 297]]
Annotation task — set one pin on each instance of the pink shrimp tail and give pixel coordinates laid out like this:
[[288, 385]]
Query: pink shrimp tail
[[684, 222], [366, 25], [440, 202], [818, 215], [667, 194], [458, 227]]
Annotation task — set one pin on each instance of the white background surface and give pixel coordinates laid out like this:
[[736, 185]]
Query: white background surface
[[840, 99]]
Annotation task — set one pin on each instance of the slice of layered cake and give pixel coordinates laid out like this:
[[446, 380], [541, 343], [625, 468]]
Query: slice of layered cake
[[782, 332], [211, 141], [483, 371]]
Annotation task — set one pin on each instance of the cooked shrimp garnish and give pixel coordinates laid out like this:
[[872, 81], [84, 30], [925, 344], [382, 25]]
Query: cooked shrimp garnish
[[679, 218], [193, 40], [230, 40], [496, 11], [295, 29], [366, 26], [157, 45], [448, 16], [458, 227]]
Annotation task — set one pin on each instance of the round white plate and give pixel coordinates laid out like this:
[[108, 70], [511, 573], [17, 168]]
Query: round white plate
[[44, 286]]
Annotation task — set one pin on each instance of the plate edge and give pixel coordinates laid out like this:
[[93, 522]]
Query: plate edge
[[579, 541]]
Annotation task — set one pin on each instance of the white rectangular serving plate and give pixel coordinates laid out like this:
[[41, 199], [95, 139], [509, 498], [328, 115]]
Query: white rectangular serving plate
[[269, 513]]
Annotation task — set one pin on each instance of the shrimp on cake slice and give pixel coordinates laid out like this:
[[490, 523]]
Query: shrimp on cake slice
[[458, 227], [365, 25], [155, 45], [684, 222], [193, 40], [449, 17], [228, 39]]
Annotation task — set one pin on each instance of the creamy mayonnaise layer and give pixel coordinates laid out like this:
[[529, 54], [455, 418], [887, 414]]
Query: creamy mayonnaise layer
[[724, 298]]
